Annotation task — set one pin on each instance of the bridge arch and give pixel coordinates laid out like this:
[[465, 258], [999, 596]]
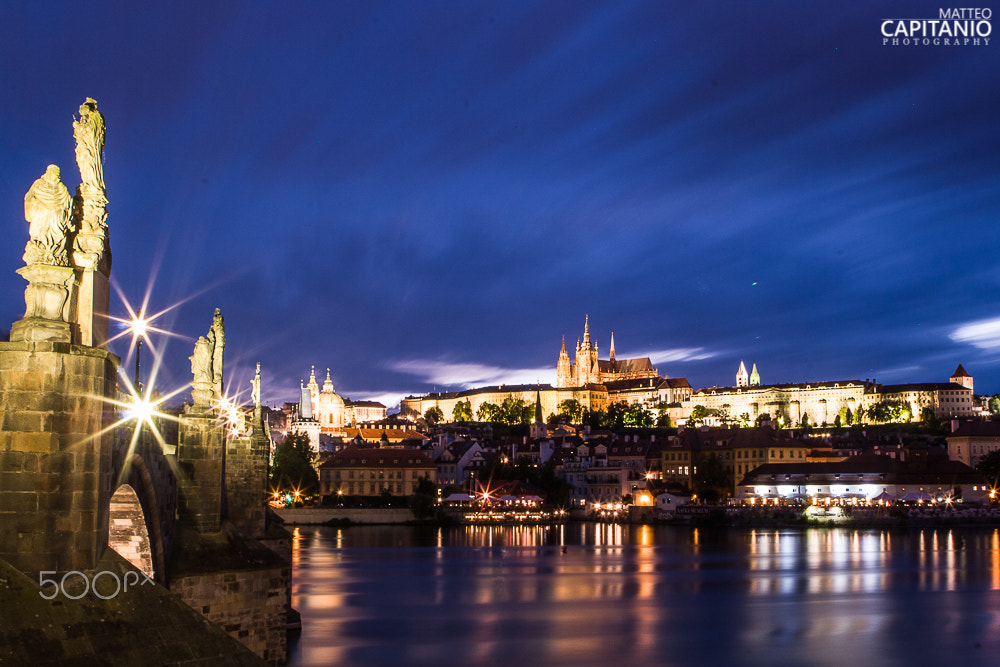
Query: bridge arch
[[134, 522], [127, 532]]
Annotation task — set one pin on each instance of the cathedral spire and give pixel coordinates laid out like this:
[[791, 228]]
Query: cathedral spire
[[563, 350], [612, 353], [742, 377], [586, 332], [754, 376]]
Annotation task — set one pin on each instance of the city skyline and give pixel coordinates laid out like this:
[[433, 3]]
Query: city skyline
[[430, 197]]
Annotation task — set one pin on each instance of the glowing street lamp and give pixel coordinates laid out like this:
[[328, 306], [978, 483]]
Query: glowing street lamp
[[138, 327]]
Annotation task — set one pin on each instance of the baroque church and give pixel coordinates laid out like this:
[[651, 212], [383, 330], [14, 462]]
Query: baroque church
[[335, 413], [589, 369]]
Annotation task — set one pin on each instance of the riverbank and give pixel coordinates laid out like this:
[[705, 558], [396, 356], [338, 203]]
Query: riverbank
[[856, 517], [316, 516]]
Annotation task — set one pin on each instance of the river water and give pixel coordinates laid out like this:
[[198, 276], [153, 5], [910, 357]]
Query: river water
[[609, 594]]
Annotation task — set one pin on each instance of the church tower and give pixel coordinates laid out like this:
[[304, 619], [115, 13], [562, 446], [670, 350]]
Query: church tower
[[962, 378], [538, 429], [564, 373], [754, 376], [587, 370], [742, 377], [313, 387], [612, 352]]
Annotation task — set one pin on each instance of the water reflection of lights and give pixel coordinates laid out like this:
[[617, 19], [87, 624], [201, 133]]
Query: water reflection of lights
[[818, 562], [649, 582]]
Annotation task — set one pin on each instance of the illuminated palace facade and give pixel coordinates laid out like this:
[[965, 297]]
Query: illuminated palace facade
[[823, 401], [588, 369], [335, 413]]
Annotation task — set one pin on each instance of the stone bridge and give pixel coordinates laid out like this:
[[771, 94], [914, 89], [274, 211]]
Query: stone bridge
[[81, 494], [192, 515]]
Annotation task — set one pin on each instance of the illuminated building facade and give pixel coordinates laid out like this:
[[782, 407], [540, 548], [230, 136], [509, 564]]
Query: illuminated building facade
[[357, 471], [335, 413], [865, 479], [588, 369], [971, 440], [821, 402]]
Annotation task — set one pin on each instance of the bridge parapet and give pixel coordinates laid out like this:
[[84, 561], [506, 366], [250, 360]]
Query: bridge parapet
[[55, 471], [200, 457]]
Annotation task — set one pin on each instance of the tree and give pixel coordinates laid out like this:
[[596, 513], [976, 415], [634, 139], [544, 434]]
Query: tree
[[434, 415], [423, 498], [711, 481], [989, 467], [762, 417], [571, 410], [291, 466], [462, 411], [894, 411], [489, 412], [995, 404], [512, 411], [723, 413], [929, 419], [805, 424], [698, 415], [614, 416], [638, 416]]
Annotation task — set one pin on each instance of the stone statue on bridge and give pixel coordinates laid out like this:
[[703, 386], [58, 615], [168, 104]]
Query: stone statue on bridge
[[89, 134], [218, 336], [47, 208], [206, 364], [255, 388], [201, 368]]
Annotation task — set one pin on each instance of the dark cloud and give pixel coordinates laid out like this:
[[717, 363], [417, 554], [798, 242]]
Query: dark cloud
[[378, 187]]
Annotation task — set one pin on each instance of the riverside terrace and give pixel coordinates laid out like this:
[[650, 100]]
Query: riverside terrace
[[863, 480]]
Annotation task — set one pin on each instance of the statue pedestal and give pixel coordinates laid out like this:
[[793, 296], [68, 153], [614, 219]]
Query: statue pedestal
[[92, 259], [45, 300]]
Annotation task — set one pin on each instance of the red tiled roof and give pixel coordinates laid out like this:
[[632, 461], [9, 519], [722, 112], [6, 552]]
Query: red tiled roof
[[353, 456]]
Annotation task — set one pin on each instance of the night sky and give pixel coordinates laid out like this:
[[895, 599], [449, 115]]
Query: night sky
[[429, 195]]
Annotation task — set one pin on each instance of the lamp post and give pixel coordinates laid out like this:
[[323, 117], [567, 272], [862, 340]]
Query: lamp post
[[138, 331]]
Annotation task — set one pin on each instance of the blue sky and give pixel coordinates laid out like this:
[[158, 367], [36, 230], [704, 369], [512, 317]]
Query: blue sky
[[430, 195]]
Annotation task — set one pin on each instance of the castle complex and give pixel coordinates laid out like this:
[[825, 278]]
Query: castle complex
[[596, 383], [822, 402]]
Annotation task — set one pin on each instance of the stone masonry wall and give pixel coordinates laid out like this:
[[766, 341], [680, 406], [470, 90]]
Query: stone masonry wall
[[200, 452], [250, 605], [246, 483], [54, 474]]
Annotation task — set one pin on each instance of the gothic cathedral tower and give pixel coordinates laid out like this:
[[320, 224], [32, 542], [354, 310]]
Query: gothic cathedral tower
[[564, 372], [587, 370]]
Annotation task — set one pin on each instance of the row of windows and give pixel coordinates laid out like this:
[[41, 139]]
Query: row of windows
[[361, 488], [372, 474]]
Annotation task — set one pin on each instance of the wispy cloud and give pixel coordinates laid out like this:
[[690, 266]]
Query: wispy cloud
[[674, 354], [464, 375], [390, 399], [983, 334]]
